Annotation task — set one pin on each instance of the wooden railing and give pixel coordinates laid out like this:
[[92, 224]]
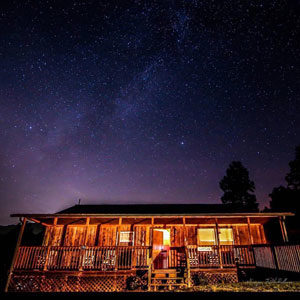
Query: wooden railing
[[176, 258], [82, 258], [113, 258], [222, 256], [278, 257]]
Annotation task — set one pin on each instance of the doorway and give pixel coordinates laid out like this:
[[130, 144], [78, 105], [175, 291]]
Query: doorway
[[161, 247]]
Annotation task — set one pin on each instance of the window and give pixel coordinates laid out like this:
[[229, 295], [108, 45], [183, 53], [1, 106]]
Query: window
[[206, 236], [225, 236], [126, 237]]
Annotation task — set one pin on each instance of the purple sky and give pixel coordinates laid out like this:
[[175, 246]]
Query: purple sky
[[129, 102]]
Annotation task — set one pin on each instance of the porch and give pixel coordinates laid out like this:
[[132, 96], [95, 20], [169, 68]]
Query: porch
[[120, 258], [163, 250]]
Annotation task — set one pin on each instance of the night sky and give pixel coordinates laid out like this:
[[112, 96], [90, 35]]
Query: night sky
[[144, 101]]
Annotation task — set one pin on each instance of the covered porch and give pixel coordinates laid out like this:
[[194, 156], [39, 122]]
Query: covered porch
[[131, 242]]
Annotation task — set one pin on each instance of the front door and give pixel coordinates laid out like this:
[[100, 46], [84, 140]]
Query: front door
[[161, 246]]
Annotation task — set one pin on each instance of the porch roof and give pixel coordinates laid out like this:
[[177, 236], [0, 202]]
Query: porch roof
[[156, 210]]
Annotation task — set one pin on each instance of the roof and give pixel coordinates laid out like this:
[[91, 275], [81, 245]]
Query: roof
[[153, 209]]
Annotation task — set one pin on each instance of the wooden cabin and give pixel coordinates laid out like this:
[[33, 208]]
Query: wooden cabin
[[90, 248]]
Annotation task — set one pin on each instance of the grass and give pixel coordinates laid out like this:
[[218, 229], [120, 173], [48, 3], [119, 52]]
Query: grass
[[251, 286]]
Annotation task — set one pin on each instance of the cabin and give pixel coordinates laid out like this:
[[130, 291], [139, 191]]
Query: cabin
[[103, 248]]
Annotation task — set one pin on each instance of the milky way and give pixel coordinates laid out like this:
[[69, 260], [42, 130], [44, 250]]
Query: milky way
[[144, 101]]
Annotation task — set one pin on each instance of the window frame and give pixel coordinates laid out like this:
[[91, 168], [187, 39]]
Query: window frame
[[130, 241], [213, 243]]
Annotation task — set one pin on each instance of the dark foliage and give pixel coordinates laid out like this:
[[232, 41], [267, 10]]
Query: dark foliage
[[287, 198], [293, 177], [238, 188], [33, 236]]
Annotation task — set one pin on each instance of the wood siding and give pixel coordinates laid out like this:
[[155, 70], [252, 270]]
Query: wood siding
[[53, 236], [107, 235]]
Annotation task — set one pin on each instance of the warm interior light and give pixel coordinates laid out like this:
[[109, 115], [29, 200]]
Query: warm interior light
[[206, 236], [166, 236], [226, 236]]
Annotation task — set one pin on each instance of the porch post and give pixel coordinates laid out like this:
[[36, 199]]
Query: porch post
[[283, 229], [218, 243], [187, 254], [150, 260], [249, 231], [16, 252], [118, 243]]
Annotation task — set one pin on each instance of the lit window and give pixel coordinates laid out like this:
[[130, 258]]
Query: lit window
[[206, 236], [226, 236], [126, 237]]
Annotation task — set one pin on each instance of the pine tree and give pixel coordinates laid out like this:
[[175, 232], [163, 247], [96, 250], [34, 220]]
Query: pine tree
[[287, 198], [293, 177], [238, 188]]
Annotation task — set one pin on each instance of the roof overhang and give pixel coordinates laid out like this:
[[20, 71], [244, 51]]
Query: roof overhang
[[49, 219], [269, 214]]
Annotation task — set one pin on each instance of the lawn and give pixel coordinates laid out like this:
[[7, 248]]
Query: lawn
[[251, 286]]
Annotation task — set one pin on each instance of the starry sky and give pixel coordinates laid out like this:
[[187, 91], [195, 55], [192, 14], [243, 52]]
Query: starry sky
[[144, 101]]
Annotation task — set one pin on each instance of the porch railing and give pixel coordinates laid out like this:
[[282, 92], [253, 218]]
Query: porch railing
[[82, 258], [222, 256], [113, 258], [280, 257]]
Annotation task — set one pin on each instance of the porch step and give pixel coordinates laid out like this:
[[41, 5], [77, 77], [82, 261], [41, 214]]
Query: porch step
[[156, 284], [162, 278]]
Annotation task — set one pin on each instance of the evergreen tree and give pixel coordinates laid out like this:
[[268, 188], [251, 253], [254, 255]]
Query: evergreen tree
[[238, 188], [293, 177], [288, 198]]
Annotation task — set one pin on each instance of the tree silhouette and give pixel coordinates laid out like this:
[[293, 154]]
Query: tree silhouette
[[288, 198], [238, 188], [293, 177]]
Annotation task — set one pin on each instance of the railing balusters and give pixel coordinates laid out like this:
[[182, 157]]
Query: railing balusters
[[105, 258]]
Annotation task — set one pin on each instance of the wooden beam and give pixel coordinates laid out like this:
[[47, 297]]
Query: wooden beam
[[152, 226], [186, 253], [249, 231], [118, 243], [184, 232], [38, 221], [24, 220], [144, 215], [218, 242], [283, 229]]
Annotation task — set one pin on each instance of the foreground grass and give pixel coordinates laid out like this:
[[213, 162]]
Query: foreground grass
[[251, 286]]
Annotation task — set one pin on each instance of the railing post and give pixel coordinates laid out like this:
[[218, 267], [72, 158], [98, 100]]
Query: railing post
[[149, 262], [15, 253], [274, 256], [47, 258], [81, 258]]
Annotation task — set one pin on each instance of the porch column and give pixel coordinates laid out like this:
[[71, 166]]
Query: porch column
[[24, 221], [150, 260], [218, 243], [186, 254], [249, 231], [283, 229], [118, 243]]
